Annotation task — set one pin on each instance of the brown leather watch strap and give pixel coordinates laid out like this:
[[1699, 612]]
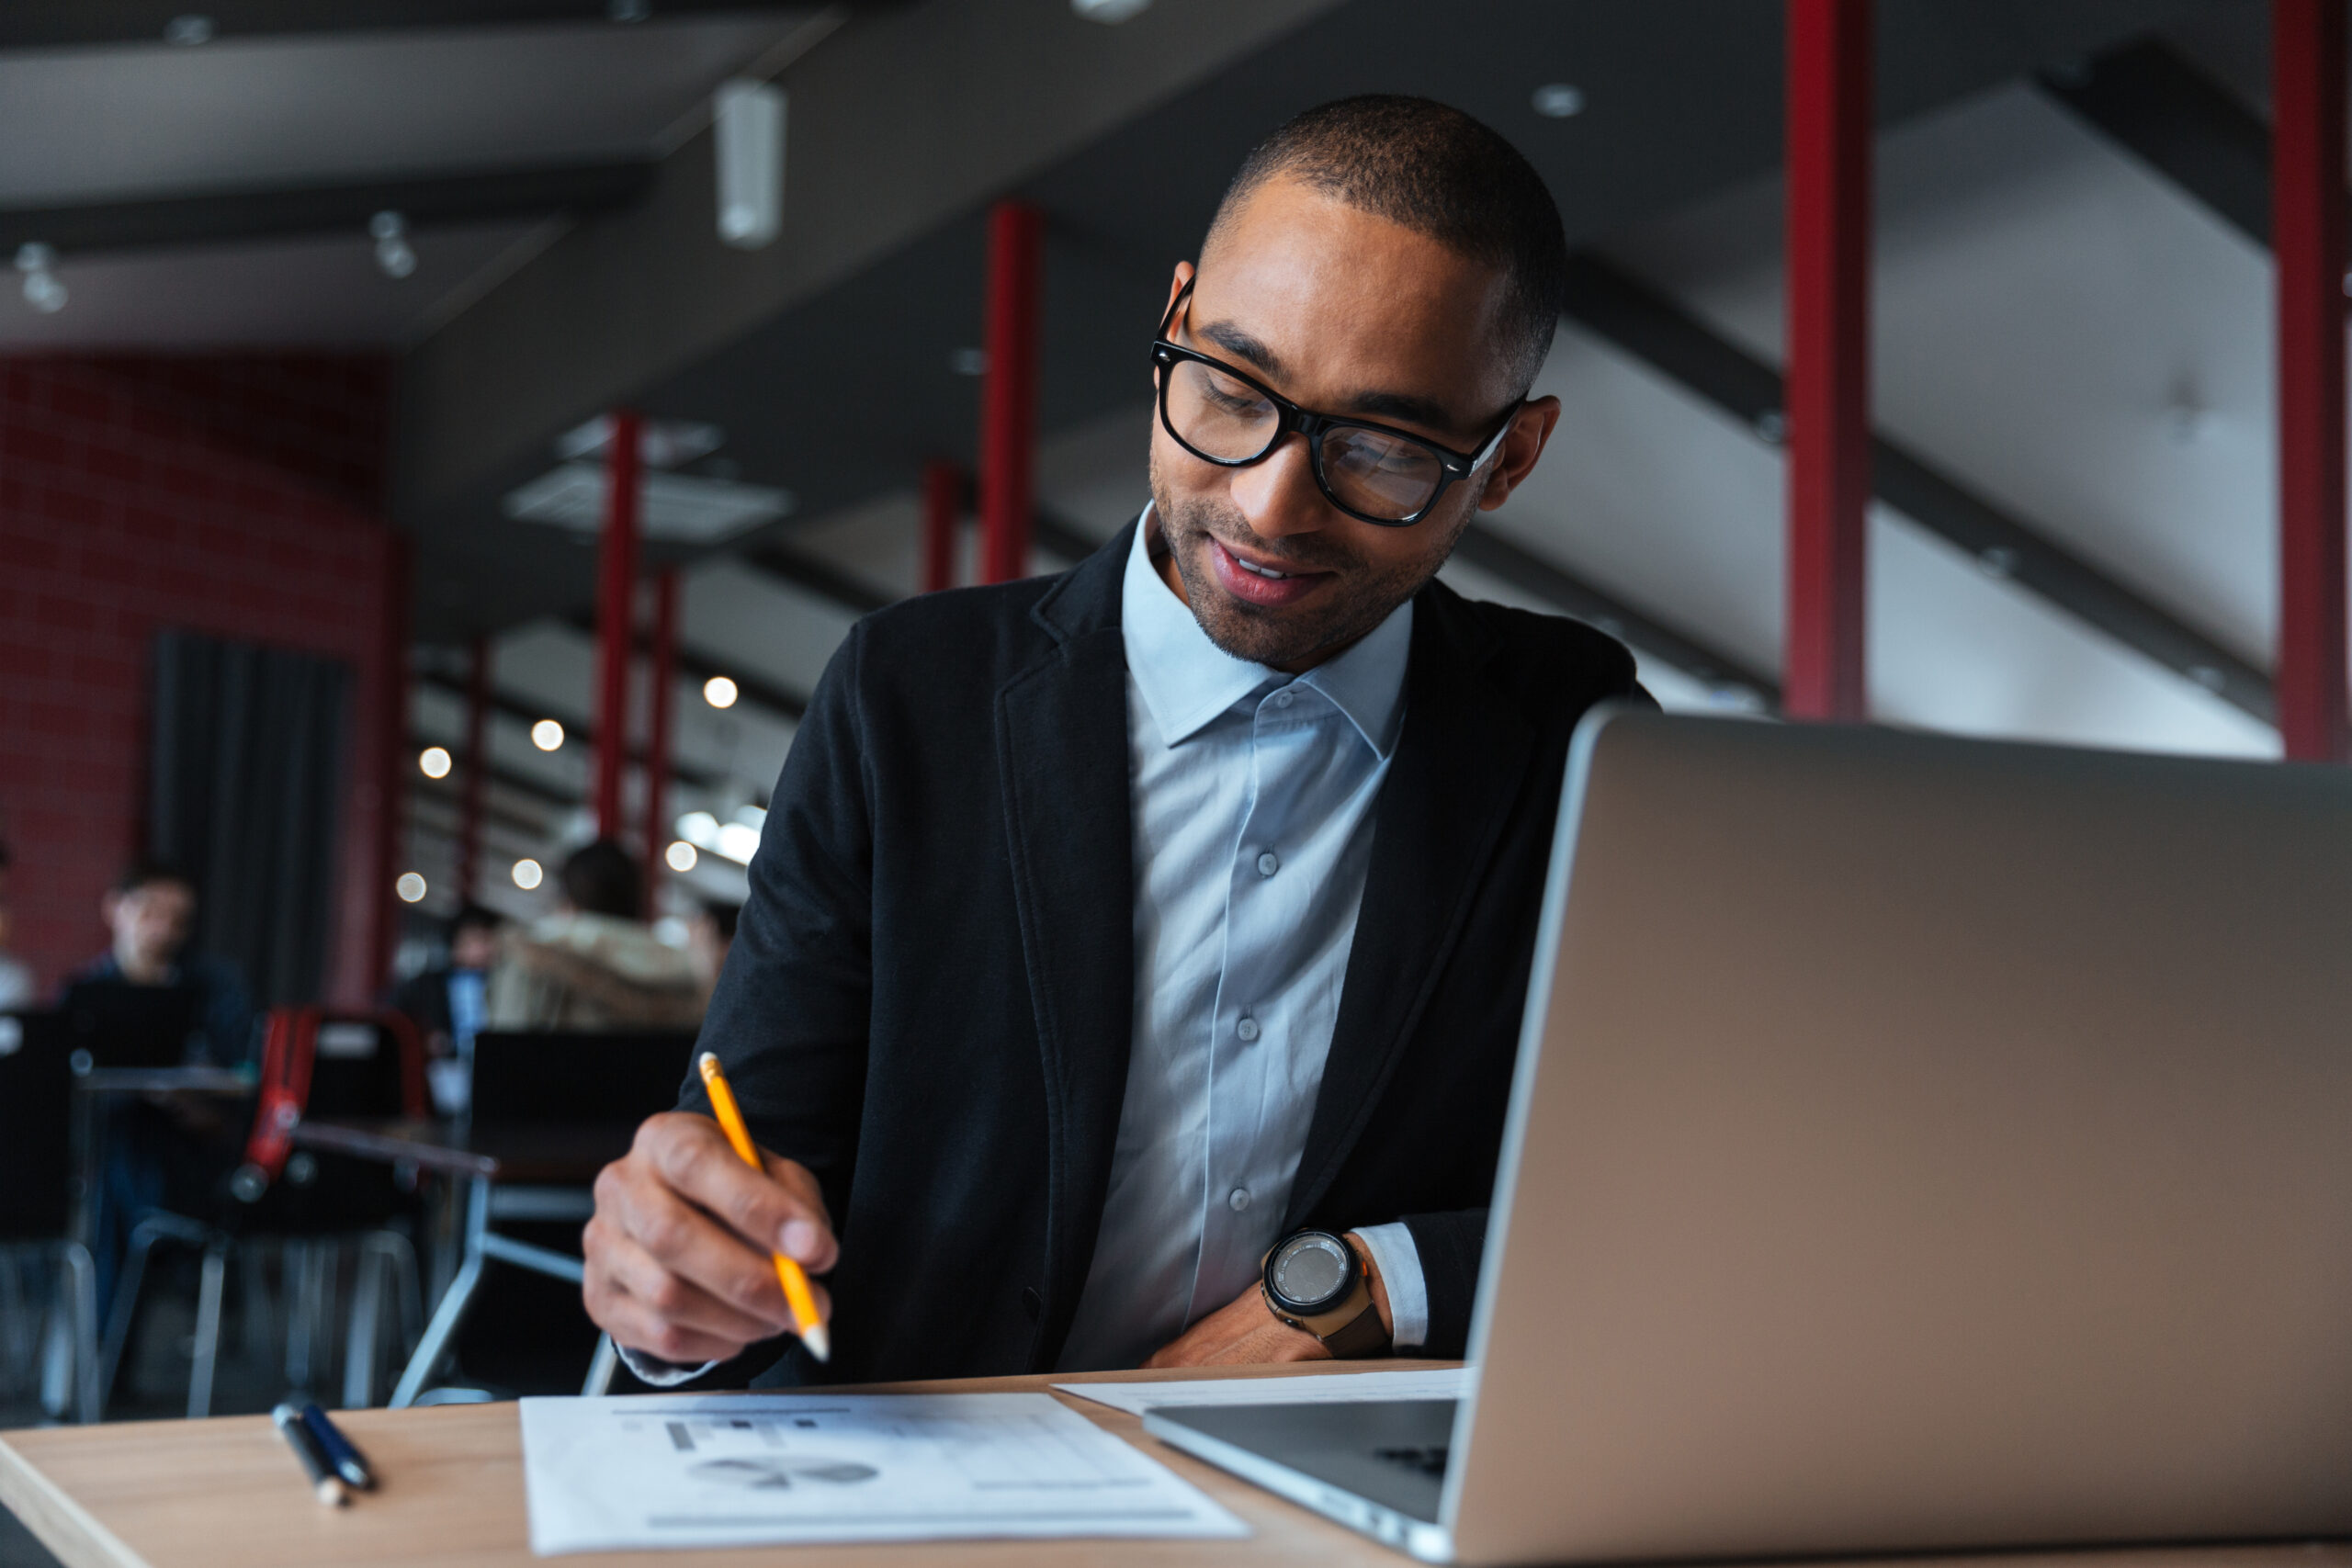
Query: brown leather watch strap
[[1360, 1335]]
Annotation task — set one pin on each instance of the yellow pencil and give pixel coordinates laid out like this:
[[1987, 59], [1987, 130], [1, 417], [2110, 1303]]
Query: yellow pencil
[[788, 1274]]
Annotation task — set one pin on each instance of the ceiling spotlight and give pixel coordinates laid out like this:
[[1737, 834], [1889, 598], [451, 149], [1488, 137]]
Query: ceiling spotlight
[[681, 856], [189, 30], [1557, 100], [395, 257], [529, 875], [434, 762], [547, 735], [720, 692], [410, 887], [1110, 12], [42, 291]]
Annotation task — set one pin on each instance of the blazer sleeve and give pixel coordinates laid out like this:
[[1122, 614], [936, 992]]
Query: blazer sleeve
[[1450, 1247], [789, 1015]]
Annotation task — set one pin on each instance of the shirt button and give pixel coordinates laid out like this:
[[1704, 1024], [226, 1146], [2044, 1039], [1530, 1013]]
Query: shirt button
[[1284, 698], [1238, 1200], [1267, 864], [1247, 1029]]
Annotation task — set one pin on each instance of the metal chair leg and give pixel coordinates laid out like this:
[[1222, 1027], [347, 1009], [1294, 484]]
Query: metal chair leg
[[298, 1315], [257, 1319], [434, 1346], [360, 1348], [78, 1293], [601, 1367], [208, 1329], [144, 1236]]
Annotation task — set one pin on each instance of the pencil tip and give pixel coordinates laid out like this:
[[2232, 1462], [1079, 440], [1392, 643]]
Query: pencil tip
[[333, 1492], [820, 1342]]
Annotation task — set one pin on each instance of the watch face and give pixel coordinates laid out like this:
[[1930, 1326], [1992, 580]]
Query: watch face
[[1309, 1272]]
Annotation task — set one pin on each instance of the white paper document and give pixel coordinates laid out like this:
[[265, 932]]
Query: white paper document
[[1339, 1388], [757, 1470]]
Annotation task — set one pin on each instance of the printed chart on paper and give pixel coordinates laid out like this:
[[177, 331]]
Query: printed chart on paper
[[746, 1469]]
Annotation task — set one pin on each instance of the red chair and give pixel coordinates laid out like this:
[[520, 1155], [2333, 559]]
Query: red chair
[[315, 1062]]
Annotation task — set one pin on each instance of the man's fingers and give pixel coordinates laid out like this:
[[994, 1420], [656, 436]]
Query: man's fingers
[[689, 1242], [693, 1158], [815, 1249], [676, 1301]]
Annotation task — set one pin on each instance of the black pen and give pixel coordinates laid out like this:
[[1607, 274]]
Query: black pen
[[342, 1452], [313, 1455]]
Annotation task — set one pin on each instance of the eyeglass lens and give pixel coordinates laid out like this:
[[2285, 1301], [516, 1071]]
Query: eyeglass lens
[[1230, 421]]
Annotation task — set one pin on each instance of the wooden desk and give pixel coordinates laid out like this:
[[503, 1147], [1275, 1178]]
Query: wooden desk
[[226, 1494]]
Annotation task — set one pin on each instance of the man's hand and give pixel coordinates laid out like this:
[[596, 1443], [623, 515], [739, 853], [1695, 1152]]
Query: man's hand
[[1245, 1329], [678, 1261]]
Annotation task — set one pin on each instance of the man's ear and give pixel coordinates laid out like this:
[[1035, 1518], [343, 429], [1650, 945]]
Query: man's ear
[[1531, 428]]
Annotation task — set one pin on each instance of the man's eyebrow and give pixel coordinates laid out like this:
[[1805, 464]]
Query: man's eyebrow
[[1233, 340], [1405, 407]]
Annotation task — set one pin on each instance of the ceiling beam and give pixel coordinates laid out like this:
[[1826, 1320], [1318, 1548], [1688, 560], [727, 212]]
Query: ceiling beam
[[782, 702], [1522, 567], [67, 24], [1643, 323], [818, 577], [445, 792], [510, 705], [425, 200], [2179, 121]]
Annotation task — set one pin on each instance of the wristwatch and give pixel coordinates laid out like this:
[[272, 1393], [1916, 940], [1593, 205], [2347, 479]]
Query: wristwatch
[[1314, 1280]]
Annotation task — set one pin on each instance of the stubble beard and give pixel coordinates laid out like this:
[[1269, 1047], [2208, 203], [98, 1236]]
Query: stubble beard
[[1356, 600]]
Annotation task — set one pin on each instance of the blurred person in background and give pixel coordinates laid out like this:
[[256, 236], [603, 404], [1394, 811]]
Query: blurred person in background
[[595, 964], [150, 914], [164, 1151], [446, 1003], [15, 976]]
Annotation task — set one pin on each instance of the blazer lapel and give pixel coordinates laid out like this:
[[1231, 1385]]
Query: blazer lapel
[[1061, 729], [1459, 766]]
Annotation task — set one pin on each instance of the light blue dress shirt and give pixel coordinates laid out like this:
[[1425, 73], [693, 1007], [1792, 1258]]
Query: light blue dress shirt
[[1253, 795]]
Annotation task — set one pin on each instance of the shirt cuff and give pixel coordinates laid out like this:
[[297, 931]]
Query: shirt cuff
[[655, 1372], [1399, 1262]]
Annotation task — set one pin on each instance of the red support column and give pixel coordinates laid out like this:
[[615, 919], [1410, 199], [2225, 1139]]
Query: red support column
[[657, 739], [476, 764], [1008, 395], [2307, 221], [942, 505], [1830, 128], [615, 618]]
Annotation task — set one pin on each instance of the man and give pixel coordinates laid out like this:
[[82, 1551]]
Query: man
[[595, 964], [150, 914], [1110, 930], [165, 1151], [445, 1003]]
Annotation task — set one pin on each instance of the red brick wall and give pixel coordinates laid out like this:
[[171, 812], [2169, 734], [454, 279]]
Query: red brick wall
[[241, 496]]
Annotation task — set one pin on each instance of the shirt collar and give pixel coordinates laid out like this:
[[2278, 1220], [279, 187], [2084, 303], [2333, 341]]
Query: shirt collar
[[1185, 679]]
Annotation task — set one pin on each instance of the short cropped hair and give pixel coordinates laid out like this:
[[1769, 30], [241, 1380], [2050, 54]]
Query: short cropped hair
[[1438, 172], [471, 915], [601, 879], [149, 870]]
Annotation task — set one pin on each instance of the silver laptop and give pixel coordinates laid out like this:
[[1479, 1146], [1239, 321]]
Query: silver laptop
[[1917, 1143]]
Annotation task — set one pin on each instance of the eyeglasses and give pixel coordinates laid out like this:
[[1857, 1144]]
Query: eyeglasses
[[1370, 471]]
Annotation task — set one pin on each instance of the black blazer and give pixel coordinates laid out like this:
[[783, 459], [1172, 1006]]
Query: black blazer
[[930, 997]]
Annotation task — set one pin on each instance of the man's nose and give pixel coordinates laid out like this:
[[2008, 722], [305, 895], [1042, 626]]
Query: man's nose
[[1278, 494]]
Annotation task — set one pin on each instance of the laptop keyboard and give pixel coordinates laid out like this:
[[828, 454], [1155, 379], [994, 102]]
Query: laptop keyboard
[[1428, 1460]]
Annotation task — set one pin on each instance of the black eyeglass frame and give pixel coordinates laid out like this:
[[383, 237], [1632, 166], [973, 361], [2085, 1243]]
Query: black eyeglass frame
[[1311, 426]]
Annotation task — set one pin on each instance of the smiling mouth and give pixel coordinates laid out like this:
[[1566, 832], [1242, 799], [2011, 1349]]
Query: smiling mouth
[[1265, 571]]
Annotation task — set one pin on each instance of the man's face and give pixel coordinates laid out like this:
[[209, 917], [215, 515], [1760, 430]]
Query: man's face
[[1343, 313], [473, 947], [150, 924]]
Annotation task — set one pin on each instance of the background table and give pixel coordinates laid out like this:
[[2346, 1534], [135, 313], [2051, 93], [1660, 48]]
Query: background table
[[223, 1493]]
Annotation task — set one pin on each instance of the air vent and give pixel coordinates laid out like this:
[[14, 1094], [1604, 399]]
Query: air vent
[[676, 506]]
